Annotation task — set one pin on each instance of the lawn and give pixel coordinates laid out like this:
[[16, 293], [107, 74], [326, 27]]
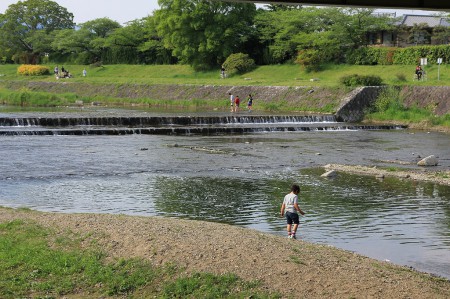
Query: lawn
[[273, 75]]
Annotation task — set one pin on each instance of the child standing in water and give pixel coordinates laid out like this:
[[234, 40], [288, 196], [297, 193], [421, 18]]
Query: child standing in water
[[290, 210]]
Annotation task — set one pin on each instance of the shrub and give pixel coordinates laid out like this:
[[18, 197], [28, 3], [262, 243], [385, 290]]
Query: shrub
[[238, 63], [33, 70], [309, 59], [401, 77], [404, 56], [358, 80]]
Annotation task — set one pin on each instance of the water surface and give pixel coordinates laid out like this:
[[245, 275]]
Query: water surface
[[242, 182]]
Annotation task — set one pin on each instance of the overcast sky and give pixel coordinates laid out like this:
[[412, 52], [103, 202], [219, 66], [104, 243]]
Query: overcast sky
[[121, 11]]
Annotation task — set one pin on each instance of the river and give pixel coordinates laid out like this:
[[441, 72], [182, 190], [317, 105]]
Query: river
[[241, 179]]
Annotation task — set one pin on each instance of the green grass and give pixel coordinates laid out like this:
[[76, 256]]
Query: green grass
[[35, 262], [274, 75], [389, 107]]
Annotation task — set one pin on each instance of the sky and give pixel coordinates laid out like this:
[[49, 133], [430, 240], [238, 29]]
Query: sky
[[124, 11]]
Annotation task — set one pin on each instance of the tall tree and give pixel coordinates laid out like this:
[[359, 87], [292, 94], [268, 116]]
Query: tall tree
[[203, 33], [26, 28], [90, 41]]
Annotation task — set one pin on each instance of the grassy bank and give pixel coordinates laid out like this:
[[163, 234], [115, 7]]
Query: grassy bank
[[115, 77], [390, 107], [37, 262], [275, 75]]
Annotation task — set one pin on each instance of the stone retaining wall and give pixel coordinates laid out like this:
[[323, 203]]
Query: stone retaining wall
[[348, 106]]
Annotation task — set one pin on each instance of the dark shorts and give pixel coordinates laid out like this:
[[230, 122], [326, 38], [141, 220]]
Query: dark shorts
[[292, 218]]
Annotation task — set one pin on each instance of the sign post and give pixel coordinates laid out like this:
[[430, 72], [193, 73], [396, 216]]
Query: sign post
[[439, 61], [423, 62]]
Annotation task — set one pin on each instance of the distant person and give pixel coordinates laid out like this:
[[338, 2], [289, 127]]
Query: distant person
[[56, 71], [62, 69], [419, 72], [231, 101], [237, 101], [222, 72], [290, 210], [249, 102], [84, 73]]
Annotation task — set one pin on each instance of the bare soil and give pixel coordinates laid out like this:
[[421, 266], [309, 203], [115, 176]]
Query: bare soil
[[294, 268]]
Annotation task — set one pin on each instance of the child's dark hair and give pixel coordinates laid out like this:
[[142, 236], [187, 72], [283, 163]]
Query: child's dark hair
[[295, 188]]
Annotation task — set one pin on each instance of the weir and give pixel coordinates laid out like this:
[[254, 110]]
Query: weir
[[176, 125]]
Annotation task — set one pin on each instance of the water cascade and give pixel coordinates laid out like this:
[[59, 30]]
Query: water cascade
[[175, 125]]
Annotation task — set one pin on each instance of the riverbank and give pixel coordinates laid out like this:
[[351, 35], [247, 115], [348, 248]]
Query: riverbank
[[293, 268], [424, 175]]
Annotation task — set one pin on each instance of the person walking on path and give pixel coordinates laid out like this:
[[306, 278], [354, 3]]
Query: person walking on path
[[231, 101], [290, 210], [249, 103]]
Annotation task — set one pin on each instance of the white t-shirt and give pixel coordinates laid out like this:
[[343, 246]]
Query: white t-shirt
[[289, 201]]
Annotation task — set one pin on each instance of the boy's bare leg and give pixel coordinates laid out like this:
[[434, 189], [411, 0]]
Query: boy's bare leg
[[294, 231]]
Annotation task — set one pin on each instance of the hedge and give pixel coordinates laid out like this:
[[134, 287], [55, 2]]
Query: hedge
[[402, 56]]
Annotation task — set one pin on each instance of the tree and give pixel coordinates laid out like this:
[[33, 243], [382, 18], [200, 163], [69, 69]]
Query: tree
[[89, 42], [285, 32], [441, 35], [26, 28], [153, 46], [419, 34], [203, 33], [353, 25]]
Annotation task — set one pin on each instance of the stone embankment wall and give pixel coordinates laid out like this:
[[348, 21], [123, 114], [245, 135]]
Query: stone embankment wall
[[349, 106], [353, 106]]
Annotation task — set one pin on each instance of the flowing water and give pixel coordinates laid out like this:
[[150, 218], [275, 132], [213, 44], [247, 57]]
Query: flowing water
[[241, 179]]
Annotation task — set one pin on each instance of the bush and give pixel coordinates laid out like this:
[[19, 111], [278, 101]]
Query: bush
[[33, 70], [238, 63], [309, 59], [404, 56], [358, 80]]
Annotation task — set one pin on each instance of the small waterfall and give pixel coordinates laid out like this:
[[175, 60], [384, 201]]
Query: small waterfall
[[176, 125]]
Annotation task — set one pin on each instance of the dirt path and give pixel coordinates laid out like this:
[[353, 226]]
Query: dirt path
[[294, 268]]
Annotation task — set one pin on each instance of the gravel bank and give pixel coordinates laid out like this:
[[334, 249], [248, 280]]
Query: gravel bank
[[425, 175], [294, 268]]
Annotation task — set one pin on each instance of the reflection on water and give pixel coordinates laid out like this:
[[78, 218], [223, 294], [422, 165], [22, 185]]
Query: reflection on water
[[402, 221]]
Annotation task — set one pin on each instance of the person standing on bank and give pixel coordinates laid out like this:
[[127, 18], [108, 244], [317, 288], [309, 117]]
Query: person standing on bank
[[290, 210], [231, 101], [237, 102], [249, 103]]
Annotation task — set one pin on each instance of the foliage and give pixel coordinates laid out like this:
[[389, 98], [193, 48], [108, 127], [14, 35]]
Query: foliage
[[89, 41], [419, 34], [390, 55], [203, 33], [238, 63], [27, 27], [331, 32], [360, 80], [412, 55], [441, 35], [33, 70], [389, 97]]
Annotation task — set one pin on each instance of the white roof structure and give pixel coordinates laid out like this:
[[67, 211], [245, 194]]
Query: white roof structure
[[431, 21]]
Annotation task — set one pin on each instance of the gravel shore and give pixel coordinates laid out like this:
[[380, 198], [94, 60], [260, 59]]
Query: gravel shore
[[294, 268], [424, 175]]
